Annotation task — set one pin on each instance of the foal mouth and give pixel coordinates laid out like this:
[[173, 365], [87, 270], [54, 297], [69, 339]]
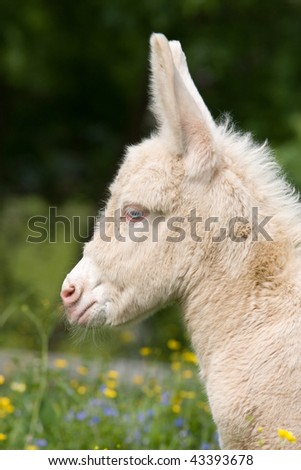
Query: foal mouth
[[82, 317]]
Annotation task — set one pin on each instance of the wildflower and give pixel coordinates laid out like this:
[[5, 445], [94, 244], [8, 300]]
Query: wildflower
[[288, 435], [165, 398], [187, 374], [94, 420], [96, 448], [2, 379], [138, 379], [74, 383], [113, 374], [205, 446], [175, 366], [145, 351], [259, 429], [60, 363], [189, 356], [18, 387], [3, 437], [109, 393], [204, 406], [40, 442], [108, 411], [173, 344], [111, 383], [176, 408], [187, 394], [81, 415], [31, 447], [127, 336], [82, 370], [81, 390], [179, 422], [5, 407]]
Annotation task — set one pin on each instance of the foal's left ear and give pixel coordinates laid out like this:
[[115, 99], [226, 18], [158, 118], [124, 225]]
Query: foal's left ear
[[184, 120]]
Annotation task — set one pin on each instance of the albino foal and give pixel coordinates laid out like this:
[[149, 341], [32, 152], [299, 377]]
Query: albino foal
[[199, 215]]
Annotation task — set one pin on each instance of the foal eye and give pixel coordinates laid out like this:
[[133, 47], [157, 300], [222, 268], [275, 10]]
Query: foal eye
[[134, 214]]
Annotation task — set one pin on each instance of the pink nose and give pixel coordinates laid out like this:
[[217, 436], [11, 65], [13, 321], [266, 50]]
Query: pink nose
[[70, 294]]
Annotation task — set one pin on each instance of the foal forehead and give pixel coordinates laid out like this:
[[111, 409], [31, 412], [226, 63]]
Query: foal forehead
[[149, 175]]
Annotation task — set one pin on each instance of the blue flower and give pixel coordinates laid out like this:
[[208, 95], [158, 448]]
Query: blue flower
[[205, 446], [94, 420], [179, 422], [110, 411], [81, 415], [165, 398], [40, 442]]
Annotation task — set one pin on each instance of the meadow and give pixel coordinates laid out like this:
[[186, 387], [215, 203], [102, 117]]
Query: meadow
[[51, 403]]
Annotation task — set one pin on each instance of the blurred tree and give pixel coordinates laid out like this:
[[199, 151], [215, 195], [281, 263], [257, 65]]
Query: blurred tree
[[73, 80]]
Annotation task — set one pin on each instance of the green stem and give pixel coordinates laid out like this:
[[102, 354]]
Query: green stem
[[43, 377]]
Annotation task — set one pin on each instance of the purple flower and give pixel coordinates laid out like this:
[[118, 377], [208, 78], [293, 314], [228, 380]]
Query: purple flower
[[81, 415], [110, 411], [179, 422], [40, 442], [165, 398], [150, 413], [94, 420], [205, 446]]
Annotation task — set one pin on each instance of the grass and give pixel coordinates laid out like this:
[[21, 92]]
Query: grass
[[60, 404], [63, 407]]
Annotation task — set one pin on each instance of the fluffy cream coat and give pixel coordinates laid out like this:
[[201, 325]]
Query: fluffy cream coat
[[240, 299]]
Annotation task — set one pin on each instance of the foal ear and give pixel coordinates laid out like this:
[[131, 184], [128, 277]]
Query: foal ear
[[182, 114]]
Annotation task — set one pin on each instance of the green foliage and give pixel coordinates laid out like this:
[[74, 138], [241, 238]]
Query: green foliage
[[63, 405], [73, 80]]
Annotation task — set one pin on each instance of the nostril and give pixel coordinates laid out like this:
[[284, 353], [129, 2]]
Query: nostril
[[69, 294], [68, 291]]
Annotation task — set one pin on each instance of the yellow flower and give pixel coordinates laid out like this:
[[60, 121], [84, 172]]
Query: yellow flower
[[60, 363], [187, 374], [5, 407], [173, 344], [138, 379], [82, 370], [81, 390], [175, 366], [31, 447], [127, 336], [187, 394], [3, 437], [288, 435], [2, 379], [18, 387], [189, 356], [74, 383], [204, 406], [259, 429], [145, 351], [111, 383], [113, 374], [109, 393], [176, 408]]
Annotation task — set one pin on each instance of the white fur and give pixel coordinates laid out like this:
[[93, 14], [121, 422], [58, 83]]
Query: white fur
[[241, 301]]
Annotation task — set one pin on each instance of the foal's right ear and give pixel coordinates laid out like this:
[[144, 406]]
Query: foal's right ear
[[184, 120]]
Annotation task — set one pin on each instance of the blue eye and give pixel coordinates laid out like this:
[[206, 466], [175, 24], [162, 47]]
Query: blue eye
[[133, 214]]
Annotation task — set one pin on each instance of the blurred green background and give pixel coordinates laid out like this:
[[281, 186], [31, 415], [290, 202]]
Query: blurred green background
[[73, 93]]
